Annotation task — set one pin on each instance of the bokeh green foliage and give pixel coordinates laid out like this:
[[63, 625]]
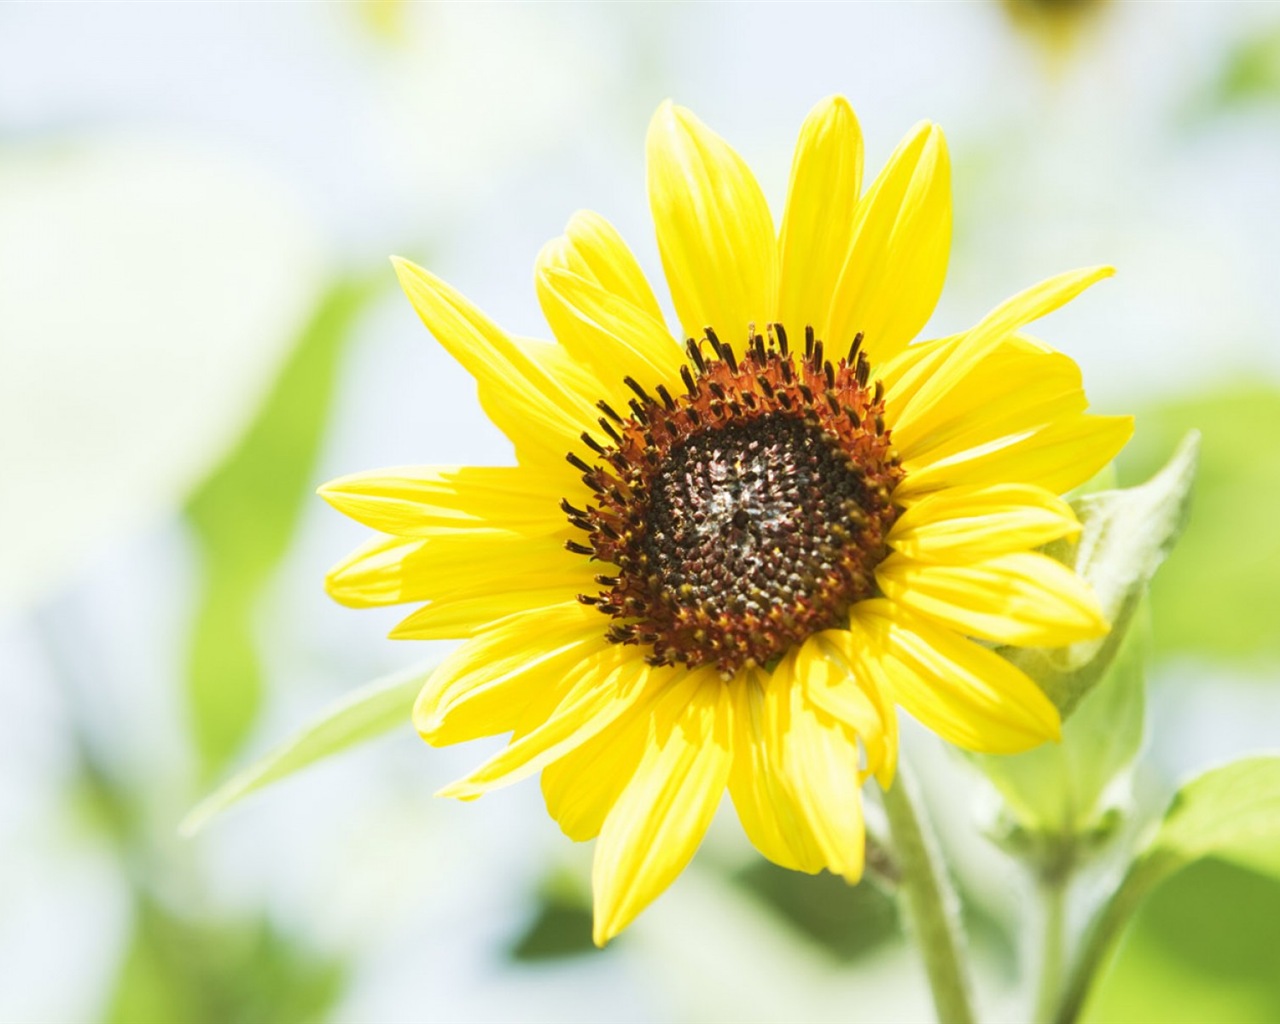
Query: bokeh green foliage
[[560, 925], [1217, 596], [243, 518], [1250, 72], [197, 971], [846, 921], [187, 962]]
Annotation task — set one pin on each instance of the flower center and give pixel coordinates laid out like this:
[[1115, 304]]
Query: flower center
[[747, 517], [746, 514]]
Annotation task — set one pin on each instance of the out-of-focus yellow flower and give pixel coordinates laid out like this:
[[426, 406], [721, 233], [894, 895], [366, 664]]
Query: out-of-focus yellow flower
[[761, 538], [1058, 26]]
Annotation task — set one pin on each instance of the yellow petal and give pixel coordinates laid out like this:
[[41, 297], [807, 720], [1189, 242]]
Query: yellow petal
[[599, 305], [1021, 384], [831, 666], [592, 249], [519, 394], [659, 819], [967, 694], [581, 788], [764, 805], [373, 574], [969, 523], [1010, 316], [817, 227], [1023, 598], [465, 565], [482, 687], [895, 268], [606, 331], [817, 758], [1031, 304], [456, 618], [592, 694], [455, 564], [714, 229], [904, 373], [415, 501], [1057, 456]]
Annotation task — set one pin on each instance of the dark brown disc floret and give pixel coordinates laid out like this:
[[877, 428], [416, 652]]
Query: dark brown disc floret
[[744, 514]]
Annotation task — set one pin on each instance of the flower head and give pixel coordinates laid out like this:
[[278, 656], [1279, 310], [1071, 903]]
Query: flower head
[[723, 556]]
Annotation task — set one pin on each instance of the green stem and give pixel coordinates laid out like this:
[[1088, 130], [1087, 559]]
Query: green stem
[[1053, 902], [928, 900], [1102, 936]]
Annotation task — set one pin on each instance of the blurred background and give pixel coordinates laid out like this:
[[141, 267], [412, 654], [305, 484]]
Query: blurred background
[[198, 325]]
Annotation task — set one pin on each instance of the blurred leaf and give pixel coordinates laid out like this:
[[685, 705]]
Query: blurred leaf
[[561, 925], [179, 971], [848, 921], [1219, 592], [1251, 71], [560, 928], [243, 517], [1056, 790], [1126, 534], [360, 716], [1231, 813], [1206, 946]]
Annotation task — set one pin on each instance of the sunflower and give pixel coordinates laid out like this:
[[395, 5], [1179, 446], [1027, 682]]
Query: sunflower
[[719, 562]]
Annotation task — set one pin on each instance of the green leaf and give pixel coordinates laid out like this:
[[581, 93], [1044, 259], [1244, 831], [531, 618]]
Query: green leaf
[[243, 517], [363, 715], [1126, 534], [1231, 549], [1057, 790], [1231, 813], [1202, 948]]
